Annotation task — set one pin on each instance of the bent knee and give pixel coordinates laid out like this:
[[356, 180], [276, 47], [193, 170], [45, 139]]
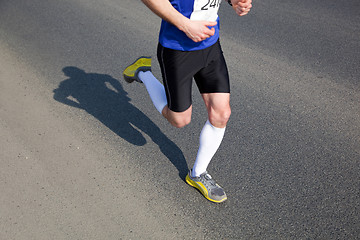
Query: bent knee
[[180, 123], [178, 119], [220, 118]]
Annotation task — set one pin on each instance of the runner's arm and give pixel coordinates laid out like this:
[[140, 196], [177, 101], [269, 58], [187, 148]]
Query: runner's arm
[[241, 7], [195, 30]]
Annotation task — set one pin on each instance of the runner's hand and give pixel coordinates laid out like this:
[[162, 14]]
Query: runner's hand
[[199, 30], [241, 7]]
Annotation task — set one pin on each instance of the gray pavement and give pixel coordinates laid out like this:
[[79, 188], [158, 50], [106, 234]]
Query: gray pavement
[[86, 156]]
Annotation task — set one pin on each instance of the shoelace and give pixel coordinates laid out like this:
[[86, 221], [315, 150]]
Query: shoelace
[[209, 179]]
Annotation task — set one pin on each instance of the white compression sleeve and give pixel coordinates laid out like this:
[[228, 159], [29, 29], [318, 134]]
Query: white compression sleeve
[[210, 140], [155, 89]]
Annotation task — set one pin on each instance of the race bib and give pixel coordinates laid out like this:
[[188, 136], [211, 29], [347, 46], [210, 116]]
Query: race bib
[[205, 10]]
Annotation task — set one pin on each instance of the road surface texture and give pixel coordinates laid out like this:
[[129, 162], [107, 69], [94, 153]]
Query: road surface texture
[[86, 156]]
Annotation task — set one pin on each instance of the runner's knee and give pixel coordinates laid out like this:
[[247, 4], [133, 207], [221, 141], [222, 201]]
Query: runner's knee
[[219, 118], [180, 122], [178, 119]]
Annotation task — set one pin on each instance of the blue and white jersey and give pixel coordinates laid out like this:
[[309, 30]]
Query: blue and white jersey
[[206, 10]]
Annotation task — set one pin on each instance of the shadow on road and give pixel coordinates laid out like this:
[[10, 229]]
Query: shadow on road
[[103, 97]]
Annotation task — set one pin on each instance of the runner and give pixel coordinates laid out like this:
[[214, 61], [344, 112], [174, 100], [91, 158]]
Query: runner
[[189, 48]]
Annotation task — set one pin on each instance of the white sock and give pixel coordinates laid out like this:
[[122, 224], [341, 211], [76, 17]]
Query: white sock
[[155, 89], [210, 140]]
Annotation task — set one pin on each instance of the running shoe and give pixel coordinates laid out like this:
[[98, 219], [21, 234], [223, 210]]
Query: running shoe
[[207, 186], [131, 72]]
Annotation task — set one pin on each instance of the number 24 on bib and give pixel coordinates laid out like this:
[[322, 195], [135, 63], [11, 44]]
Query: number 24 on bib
[[205, 10]]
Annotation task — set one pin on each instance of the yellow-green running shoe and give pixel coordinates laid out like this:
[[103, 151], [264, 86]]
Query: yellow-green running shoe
[[207, 186], [131, 72]]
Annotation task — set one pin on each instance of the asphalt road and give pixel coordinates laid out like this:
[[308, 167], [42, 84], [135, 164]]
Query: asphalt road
[[86, 156]]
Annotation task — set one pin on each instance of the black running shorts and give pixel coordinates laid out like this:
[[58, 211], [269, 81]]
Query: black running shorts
[[178, 68]]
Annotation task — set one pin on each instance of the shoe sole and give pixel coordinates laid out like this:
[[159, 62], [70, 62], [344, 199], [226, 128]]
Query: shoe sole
[[202, 189], [129, 79]]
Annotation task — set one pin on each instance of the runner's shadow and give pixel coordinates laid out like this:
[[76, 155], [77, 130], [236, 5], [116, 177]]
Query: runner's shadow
[[103, 97]]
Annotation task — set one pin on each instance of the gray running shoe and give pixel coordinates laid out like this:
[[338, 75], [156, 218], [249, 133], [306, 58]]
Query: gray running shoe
[[207, 186]]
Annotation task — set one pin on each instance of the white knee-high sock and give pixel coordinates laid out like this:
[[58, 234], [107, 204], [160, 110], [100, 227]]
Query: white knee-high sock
[[210, 140], [155, 89]]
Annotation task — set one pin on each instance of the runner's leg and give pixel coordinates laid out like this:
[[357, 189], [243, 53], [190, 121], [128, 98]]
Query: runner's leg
[[218, 107], [155, 89], [157, 94], [178, 119]]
